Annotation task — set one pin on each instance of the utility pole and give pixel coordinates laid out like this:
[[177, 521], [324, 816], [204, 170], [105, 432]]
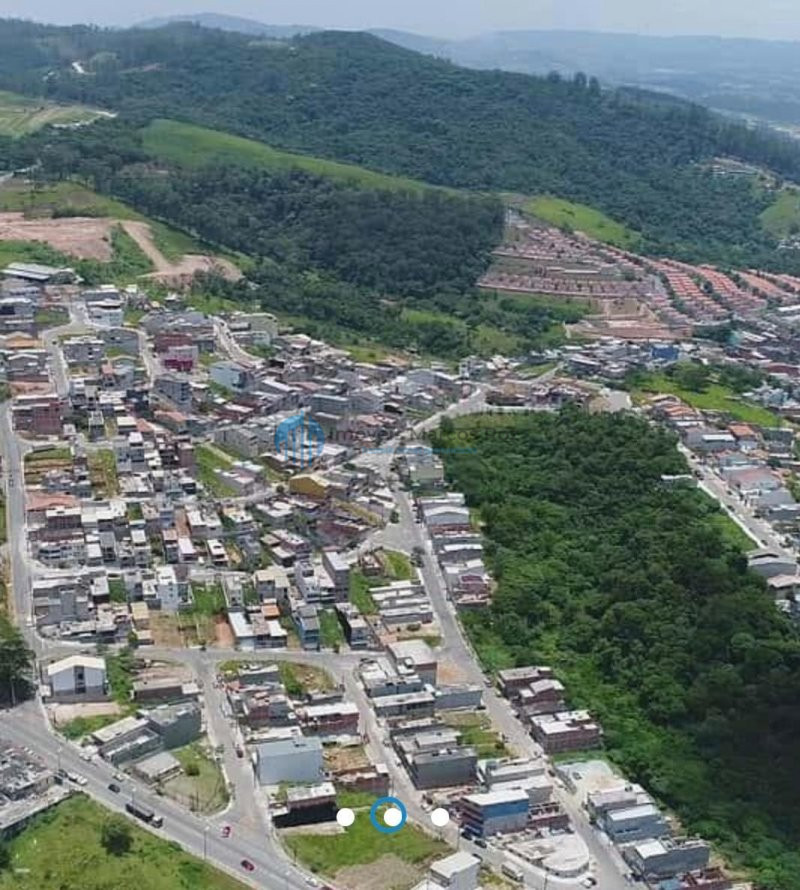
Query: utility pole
[[205, 839]]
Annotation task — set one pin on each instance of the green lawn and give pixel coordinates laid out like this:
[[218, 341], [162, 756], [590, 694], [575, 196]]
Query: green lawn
[[81, 726], [209, 460], [359, 593], [51, 318], [197, 146], [48, 454], [103, 471], [300, 679], [398, 565], [20, 115], [209, 599], [581, 218], [715, 397], [476, 730], [361, 844], [330, 630], [204, 793], [62, 850]]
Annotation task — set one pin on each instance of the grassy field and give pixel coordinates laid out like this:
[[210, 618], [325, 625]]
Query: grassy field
[[581, 218], [81, 726], [196, 146], [209, 460], [62, 850], [361, 844], [102, 466], [476, 730], [398, 565], [22, 114], [714, 398], [330, 631], [782, 217], [300, 679]]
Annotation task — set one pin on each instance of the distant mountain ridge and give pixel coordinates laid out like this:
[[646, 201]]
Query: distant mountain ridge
[[739, 75], [235, 23]]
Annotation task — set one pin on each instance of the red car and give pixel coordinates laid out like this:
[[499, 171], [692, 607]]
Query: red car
[[226, 831], [247, 865]]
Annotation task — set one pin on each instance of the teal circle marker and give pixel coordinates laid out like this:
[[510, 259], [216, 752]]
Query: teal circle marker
[[388, 801]]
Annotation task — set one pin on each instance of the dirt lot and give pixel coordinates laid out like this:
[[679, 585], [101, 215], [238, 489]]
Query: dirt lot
[[387, 873], [65, 713], [81, 236], [339, 758], [181, 272]]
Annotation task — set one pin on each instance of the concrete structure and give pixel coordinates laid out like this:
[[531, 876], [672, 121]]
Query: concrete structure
[[443, 768], [157, 768], [289, 760], [176, 725], [495, 812], [77, 678], [635, 823], [461, 871], [415, 656], [667, 858]]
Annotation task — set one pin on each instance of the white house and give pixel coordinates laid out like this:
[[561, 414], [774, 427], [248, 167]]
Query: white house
[[78, 677]]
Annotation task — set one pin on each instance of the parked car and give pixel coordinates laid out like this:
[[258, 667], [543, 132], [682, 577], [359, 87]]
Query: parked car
[[112, 786], [247, 865]]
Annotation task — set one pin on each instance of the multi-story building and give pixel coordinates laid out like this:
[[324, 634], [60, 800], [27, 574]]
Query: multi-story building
[[495, 812]]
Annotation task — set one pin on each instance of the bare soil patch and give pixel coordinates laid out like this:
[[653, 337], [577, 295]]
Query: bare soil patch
[[386, 873], [85, 237], [181, 272]]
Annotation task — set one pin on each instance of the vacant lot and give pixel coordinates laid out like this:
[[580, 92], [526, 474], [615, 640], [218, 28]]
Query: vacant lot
[[201, 787], [87, 238], [62, 850], [343, 856], [22, 114]]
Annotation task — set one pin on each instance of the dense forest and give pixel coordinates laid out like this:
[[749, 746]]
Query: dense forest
[[356, 98], [632, 590]]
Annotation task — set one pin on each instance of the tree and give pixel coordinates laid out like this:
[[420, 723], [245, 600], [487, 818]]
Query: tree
[[5, 856], [116, 836], [16, 663]]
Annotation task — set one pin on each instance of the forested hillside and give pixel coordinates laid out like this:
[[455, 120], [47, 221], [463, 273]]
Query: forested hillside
[[354, 255], [353, 97], [631, 589]]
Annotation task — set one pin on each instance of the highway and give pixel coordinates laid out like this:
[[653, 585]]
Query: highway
[[24, 726]]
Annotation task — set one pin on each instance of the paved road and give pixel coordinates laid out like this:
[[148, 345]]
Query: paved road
[[407, 534], [760, 531], [24, 726]]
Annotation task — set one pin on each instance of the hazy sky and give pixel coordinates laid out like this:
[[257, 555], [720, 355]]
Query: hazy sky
[[766, 19]]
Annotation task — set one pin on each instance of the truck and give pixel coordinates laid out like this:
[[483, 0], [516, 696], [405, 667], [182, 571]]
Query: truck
[[512, 872], [144, 813]]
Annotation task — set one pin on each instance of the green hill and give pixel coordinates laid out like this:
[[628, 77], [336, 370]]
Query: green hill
[[354, 98], [195, 146]]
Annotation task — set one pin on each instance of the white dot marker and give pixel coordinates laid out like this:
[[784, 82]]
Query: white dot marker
[[392, 817], [440, 817], [345, 817]]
